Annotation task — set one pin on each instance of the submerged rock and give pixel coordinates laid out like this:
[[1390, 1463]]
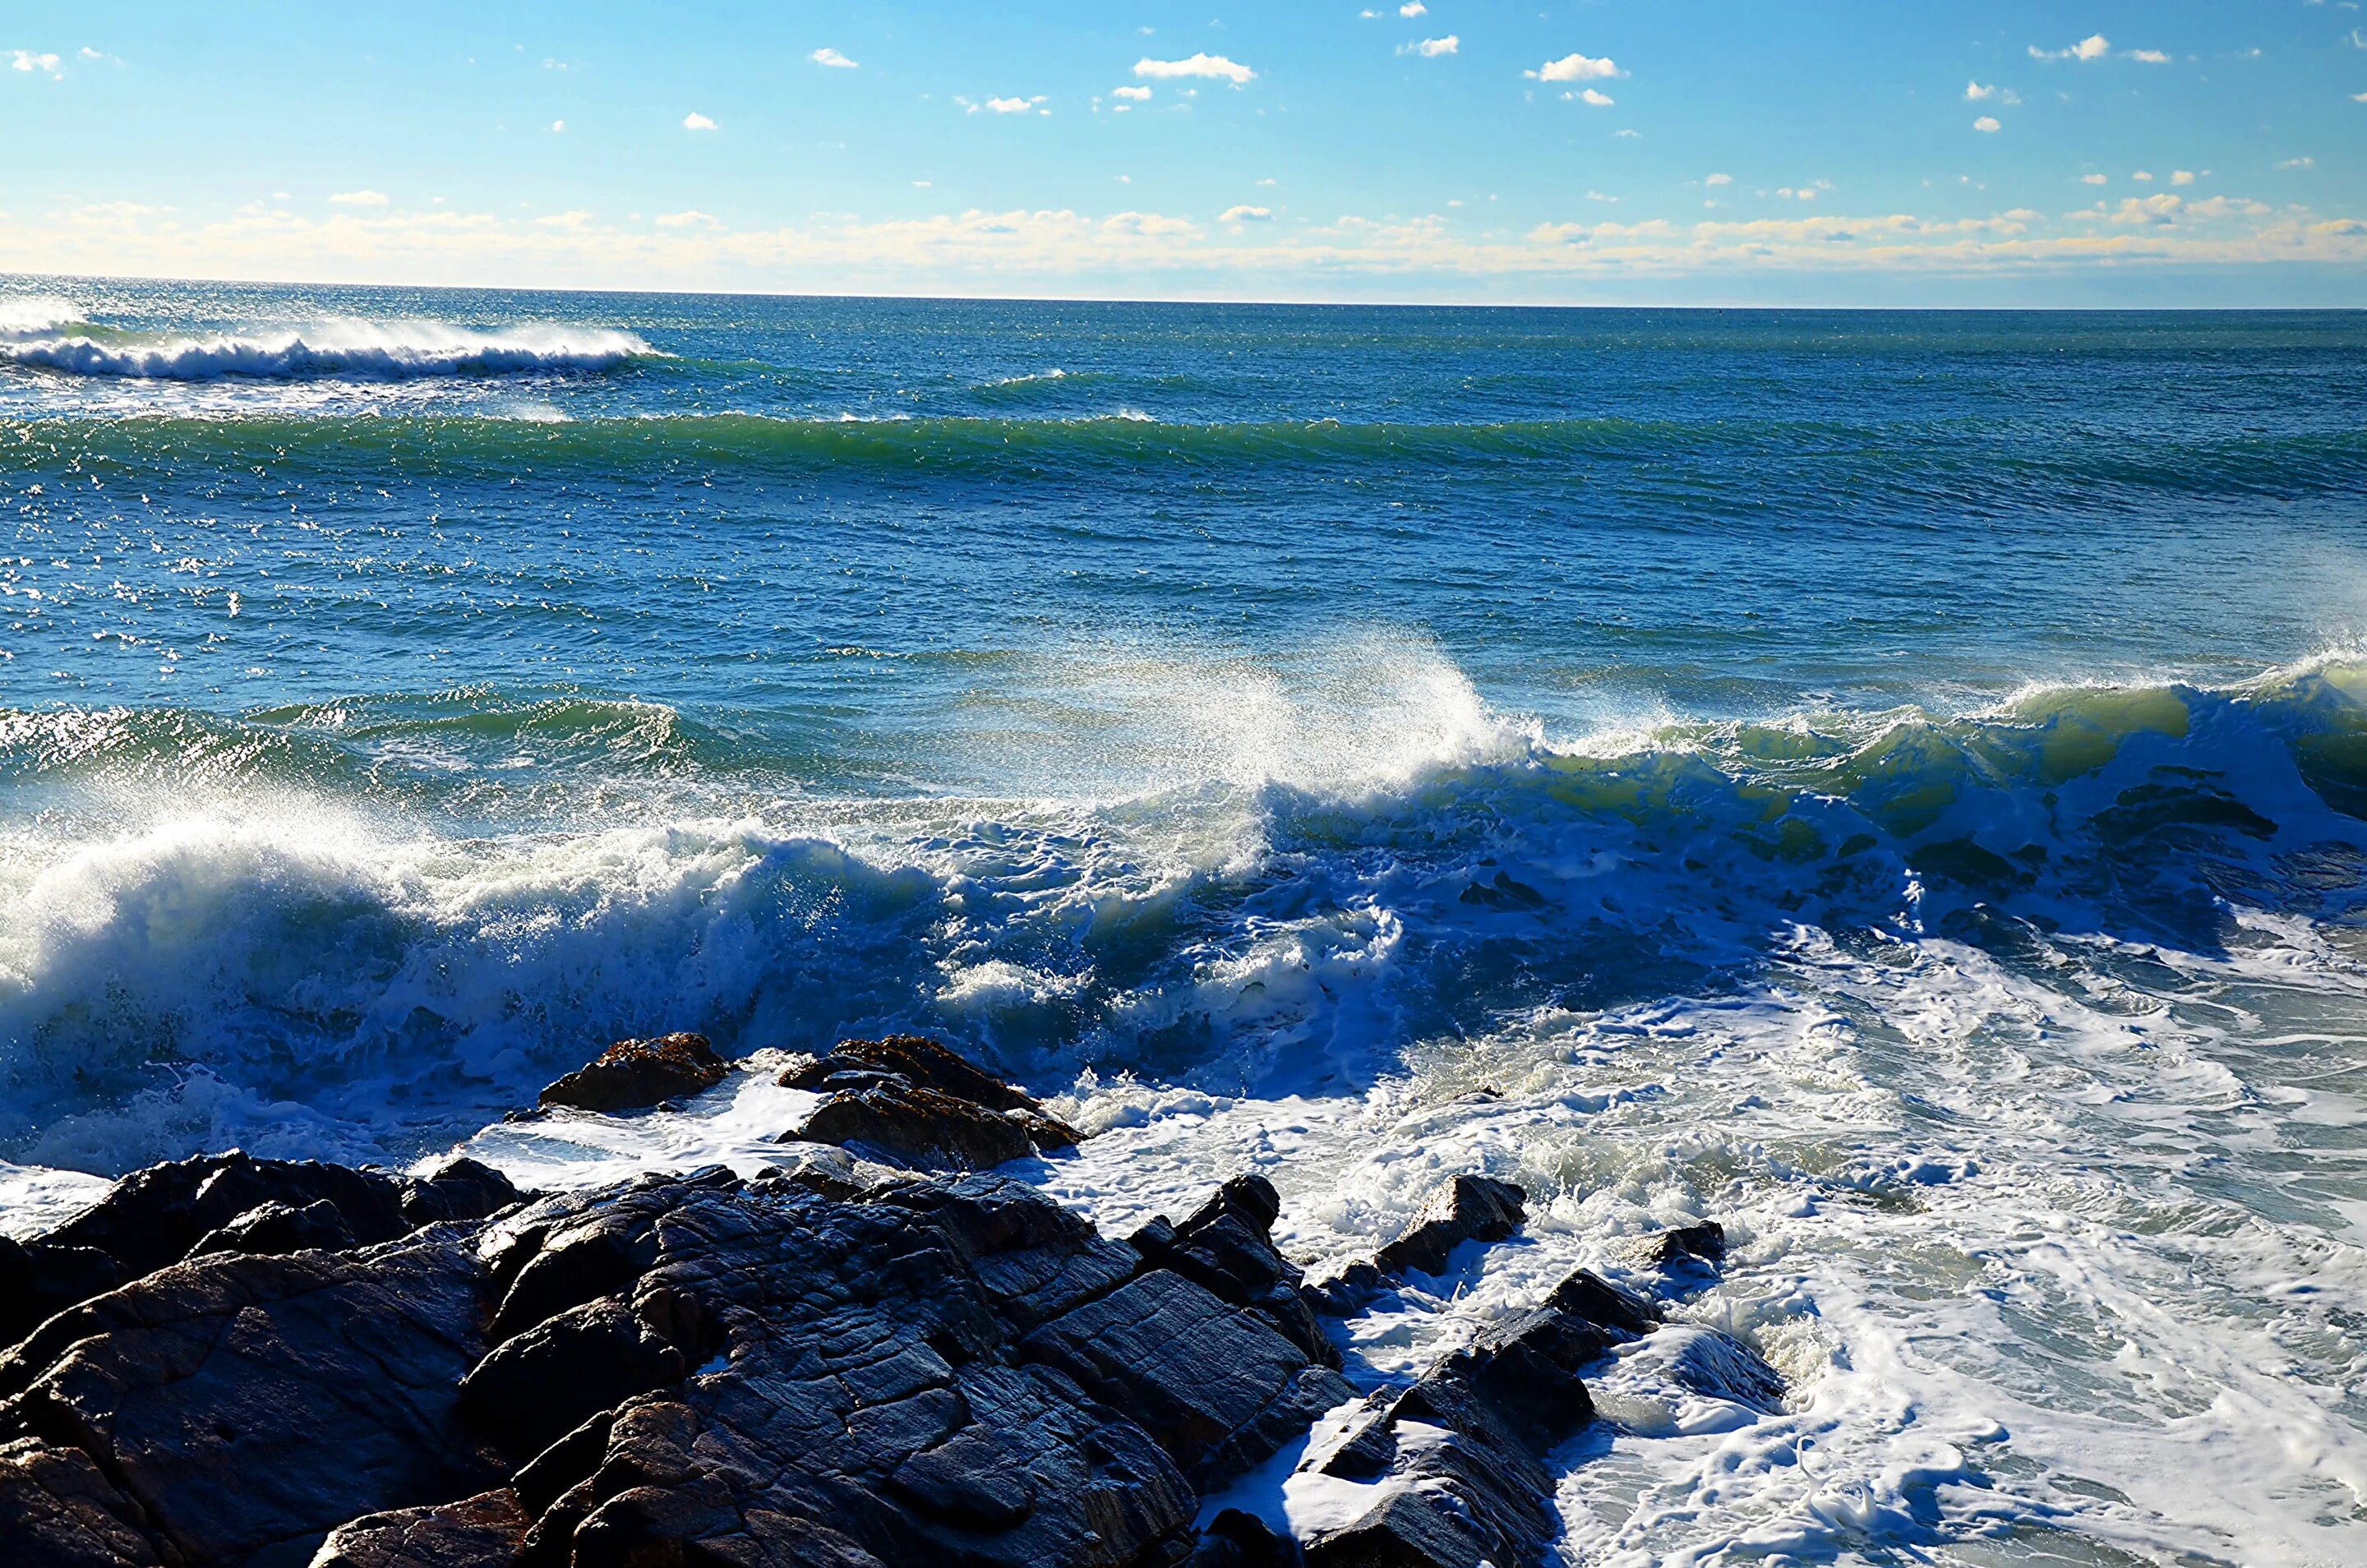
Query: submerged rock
[[633, 1075], [1703, 1243], [913, 1100], [1469, 1208]]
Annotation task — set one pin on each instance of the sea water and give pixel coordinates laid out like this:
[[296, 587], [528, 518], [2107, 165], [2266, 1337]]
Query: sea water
[[1893, 783]]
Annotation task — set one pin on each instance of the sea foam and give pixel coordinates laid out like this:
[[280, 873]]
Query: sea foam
[[351, 349]]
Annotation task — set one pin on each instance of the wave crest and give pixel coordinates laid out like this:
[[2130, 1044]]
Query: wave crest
[[352, 349]]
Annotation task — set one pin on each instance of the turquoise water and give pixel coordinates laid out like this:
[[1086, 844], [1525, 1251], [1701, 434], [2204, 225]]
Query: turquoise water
[[1891, 780]]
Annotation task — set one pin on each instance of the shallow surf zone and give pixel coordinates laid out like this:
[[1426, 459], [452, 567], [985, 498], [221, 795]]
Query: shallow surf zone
[[2019, 1050]]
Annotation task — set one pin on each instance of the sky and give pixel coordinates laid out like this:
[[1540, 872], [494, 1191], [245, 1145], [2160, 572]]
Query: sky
[[1662, 152]]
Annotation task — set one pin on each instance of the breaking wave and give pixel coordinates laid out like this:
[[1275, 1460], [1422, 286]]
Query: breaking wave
[[34, 333]]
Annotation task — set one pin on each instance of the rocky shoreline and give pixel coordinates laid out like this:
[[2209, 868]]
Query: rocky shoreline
[[877, 1352]]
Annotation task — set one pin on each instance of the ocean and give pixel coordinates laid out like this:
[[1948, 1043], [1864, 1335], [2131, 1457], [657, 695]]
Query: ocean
[[1893, 783]]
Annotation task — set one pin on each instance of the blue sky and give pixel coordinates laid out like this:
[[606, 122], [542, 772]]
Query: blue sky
[[1624, 150]]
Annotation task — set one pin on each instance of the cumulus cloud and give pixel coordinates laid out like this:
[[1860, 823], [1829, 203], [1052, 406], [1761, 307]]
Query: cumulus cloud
[[2149, 56], [2303, 162], [1431, 48], [1008, 106], [1213, 65], [2095, 46], [30, 61], [2161, 207], [697, 122], [1413, 8], [1575, 68], [359, 199], [690, 218], [1246, 214], [1975, 92], [1987, 123], [2182, 176], [831, 58], [1719, 180], [1138, 94], [1599, 99], [2093, 179]]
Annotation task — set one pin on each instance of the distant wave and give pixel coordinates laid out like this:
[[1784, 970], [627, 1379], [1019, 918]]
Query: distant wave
[[30, 334], [26, 316]]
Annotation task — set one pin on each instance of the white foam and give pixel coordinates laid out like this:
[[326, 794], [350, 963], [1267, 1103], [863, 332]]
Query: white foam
[[368, 350]]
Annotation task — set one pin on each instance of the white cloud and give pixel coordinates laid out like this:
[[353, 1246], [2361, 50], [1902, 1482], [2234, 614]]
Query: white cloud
[[831, 58], [920, 185], [1719, 180], [1624, 135], [2143, 178], [1975, 92], [1413, 8], [2149, 56], [1431, 48], [359, 199], [1246, 215], [2304, 162], [1575, 68], [1599, 99], [2095, 46], [1138, 94], [1009, 106], [2359, 97], [25, 60], [2093, 179], [689, 218], [558, 128], [2182, 176], [697, 122], [1266, 182], [1598, 195], [1987, 122], [1215, 65], [575, 217], [2148, 210]]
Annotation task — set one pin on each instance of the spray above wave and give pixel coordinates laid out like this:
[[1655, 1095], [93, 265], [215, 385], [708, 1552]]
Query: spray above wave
[[303, 973], [354, 349]]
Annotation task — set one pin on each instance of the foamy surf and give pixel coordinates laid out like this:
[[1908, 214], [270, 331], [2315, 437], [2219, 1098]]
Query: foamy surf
[[348, 348]]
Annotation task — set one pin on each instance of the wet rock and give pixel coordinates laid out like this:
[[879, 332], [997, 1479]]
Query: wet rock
[[633, 1075], [1457, 1459], [1227, 1248], [457, 1188], [1218, 1389], [58, 1510], [1346, 1291], [913, 1101], [829, 1171], [919, 1126], [1710, 1362], [1471, 1208], [1579, 1323], [278, 1227], [38, 1281], [1703, 1243], [483, 1531], [253, 1403], [1236, 1540]]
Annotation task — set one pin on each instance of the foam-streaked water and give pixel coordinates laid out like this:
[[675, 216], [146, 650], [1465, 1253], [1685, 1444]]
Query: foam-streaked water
[[1897, 783]]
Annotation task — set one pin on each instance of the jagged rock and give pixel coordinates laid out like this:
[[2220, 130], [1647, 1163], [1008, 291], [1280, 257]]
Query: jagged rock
[[277, 1227], [858, 1392], [1227, 1247], [155, 1217], [1345, 1291], [58, 1510], [1458, 1456], [1236, 1540], [1219, 1389], [483, 1531], [829, 1171], [1704, 1243], [1471, 1208], [255, 1403], [914, 1100], [918, 1125], [38, 1281], [921, 1062], [633, 1075], [1579, 1323]]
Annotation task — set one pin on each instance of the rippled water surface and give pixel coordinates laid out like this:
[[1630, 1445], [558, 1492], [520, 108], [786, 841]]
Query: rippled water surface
[[1893, 783]]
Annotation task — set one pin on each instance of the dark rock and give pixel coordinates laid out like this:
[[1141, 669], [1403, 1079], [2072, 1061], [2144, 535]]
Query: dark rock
[[633, 1075], [1462, 1451], [457, 1188], [58, 1510], [253, 1402], [1219, 1390], [1227, 1247], [540, 1385], [1471, 1208], [913, 1100], [1704, 1243], [1347, 1291], [483, 1531], [919, 1062], [38, 1281], [275, 1227], [155, 1216], [918, 1125], [1236, 1540]]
